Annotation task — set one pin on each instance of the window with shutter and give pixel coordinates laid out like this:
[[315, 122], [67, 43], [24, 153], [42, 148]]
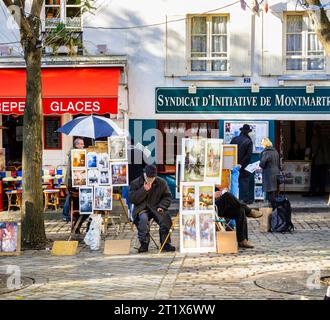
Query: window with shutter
[[304, 51], [208, 43]]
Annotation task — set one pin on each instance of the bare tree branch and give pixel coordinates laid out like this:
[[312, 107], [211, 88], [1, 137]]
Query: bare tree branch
[[321, 24], [36, 7]]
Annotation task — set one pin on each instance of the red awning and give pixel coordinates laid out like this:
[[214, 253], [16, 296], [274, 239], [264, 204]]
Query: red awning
[[64, 90]]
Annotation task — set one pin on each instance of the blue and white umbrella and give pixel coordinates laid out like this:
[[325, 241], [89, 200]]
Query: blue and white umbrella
[[90, 127]]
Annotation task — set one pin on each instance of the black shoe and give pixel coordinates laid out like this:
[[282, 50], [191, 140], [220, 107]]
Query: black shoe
[[143, 248], [168, 248]]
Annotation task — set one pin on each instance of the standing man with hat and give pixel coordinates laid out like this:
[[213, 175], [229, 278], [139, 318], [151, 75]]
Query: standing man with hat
[[151, 197], [245, 147]]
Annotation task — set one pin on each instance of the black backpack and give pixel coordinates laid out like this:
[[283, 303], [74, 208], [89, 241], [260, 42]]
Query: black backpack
[[281, 216]]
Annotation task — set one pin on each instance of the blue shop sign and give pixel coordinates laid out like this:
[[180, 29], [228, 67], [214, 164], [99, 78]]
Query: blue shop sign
[[242, 100]]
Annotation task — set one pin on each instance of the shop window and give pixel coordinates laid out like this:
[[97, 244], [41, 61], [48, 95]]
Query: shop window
[[209, 43], [304, 51], [52, 139], [172, 134]]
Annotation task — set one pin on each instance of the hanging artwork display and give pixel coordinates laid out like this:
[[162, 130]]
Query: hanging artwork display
[[117, 148], [102, 161], [86, 200], [197, 232], [213, 160], [79, 177], [104, 177], [10, 238], [93, 177], [259, 131], [91, 160], [119, 173], [78, 158], [194, 159], [103, 198]]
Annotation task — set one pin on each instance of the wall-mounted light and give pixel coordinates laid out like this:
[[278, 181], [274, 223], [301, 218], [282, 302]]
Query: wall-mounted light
[[310, 88], [192, 89], [255, 88]]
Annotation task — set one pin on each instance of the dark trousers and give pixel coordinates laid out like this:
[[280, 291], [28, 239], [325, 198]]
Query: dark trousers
[[318, 178], [271, 198], [243, 182], [143, 225], [230, 207]]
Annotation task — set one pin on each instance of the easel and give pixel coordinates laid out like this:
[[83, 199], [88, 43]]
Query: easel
[[108, 216], [175, 220]]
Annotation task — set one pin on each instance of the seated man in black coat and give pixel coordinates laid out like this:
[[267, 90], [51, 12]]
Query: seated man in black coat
[[151, 197], [230, 207]]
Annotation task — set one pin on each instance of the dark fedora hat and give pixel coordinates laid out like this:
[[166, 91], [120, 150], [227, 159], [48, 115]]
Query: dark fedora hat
[[246, 128]]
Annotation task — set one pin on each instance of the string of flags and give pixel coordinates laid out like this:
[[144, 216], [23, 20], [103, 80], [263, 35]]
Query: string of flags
[[255, 6]]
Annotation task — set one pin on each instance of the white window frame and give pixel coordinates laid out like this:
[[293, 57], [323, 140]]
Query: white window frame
[[63, 18], [208, 44], [304, 57]]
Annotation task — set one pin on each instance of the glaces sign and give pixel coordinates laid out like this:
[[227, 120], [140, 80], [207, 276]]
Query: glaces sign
[[63, 105], [242, 100]]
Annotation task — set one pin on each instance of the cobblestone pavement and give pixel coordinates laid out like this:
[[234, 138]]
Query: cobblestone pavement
[[279, 267]]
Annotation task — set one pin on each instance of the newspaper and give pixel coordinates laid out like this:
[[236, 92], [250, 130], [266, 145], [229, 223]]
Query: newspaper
[[252, 167]]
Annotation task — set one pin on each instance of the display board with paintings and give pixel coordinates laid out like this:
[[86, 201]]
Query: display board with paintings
[[197, 232], [297, 175], [95, 173], [202, 160], [260, 130], [10, 238], [258, 191]]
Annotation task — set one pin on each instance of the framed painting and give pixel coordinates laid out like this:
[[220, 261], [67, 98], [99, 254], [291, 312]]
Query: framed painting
[[119, 173], [194, 159], [213, 159], [79, 177], [103, 198], [78, 158], [86, 200], [10, 238], [117, 148]]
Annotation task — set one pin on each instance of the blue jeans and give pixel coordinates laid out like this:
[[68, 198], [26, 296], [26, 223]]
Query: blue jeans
[[66, 208]]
